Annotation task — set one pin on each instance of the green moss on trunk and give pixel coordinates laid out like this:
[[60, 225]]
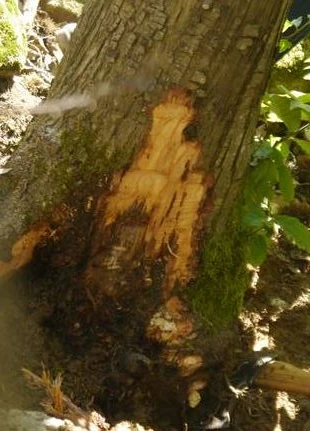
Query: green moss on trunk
[[217, 296]]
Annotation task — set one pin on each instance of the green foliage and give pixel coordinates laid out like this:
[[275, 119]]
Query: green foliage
[[295, 231], [284, 45], [304, 145], [270, 183], [295, 26], [217, 296], [280, 107]]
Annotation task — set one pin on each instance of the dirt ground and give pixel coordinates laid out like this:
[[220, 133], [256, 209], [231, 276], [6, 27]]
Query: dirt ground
[[44, 321]]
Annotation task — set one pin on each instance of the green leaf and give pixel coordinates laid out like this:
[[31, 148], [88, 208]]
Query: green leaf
[[303, 144], [276, 156], [297, 22], [266, 171], [262, 179], [295, 231], [285, 178], [254, 217], [286, 182], [284, 45], [296, 104], [287, 25], [284, 149], [304, 97], [281, 106], [257, 249], [264, 150]]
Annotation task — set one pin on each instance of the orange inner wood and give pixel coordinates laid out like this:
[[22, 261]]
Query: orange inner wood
[[165, 181], [22, 250]]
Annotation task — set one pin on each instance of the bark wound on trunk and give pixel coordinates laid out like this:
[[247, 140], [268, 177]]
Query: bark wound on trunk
[[148, 229], [22, 250], [165, 188]]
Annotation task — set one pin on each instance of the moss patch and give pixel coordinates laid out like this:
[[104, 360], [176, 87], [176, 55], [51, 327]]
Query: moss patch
[[12, 7], [80, 145], [13, 43], [217, 296]]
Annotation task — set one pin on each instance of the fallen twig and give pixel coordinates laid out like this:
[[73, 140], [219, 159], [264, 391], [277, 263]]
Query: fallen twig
[[59, 405]]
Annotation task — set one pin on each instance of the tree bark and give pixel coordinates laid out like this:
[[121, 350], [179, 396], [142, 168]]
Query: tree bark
[[155, 105]]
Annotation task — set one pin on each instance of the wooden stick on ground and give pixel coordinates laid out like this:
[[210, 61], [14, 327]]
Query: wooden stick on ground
[[281, 376]]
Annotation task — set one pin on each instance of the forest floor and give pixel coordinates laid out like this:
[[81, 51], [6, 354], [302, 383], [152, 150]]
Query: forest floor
[[37, 327], [42, 322]]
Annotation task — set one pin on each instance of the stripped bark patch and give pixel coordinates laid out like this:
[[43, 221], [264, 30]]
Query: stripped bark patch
[[22, 250], [165, 183]]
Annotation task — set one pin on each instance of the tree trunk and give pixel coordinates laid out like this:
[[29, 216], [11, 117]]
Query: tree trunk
[[153, 110]]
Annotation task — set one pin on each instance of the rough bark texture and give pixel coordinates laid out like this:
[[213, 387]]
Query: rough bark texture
[[131, 53], [165, 97]]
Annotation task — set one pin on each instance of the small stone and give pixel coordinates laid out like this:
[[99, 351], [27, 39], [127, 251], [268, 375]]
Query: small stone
[[199, 77], [279, 303], [63, 35], [22, 420], [207, 4], [201, 93], [61, 11], [194, 399]]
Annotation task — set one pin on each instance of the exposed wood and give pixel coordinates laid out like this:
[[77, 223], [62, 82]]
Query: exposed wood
[[22, 250], [281, 376], [165, 187]]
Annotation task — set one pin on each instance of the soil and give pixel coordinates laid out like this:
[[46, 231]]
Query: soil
[[108, 365]]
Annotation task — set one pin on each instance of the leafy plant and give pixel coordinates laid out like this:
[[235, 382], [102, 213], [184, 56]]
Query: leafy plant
[[270, 182], [292, 30]]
